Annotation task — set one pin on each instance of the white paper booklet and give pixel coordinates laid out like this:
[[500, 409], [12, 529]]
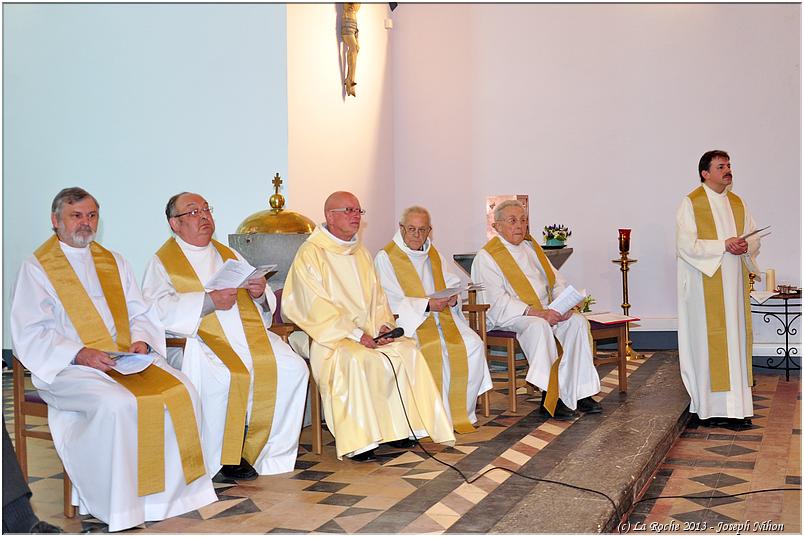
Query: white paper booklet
[[234, 274], [567, 300], [127, 363], [451, 291], [746, 235]]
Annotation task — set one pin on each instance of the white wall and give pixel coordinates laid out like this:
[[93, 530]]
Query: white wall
[[599, 113], [135, 103], [338, 142]]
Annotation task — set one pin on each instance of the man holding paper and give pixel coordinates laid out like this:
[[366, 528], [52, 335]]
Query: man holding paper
[[374, 389], [520, 285], [411, 270], [129, 443], [716, 244], [252, 385]]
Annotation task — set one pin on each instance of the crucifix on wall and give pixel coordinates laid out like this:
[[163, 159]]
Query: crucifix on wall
[[349, 36]]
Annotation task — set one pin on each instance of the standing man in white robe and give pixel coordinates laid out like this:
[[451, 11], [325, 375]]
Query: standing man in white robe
[[94, 417], [714, 319], [519, 282], [374, 389], [412, 254], [270, 390]]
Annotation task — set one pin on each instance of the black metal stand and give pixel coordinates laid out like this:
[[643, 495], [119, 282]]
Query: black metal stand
[[786, 313]]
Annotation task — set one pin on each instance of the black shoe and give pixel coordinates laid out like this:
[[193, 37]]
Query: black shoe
[[589, 405], [243, 471], [562, 413], [44, 527], [366, 456], [405, 443]]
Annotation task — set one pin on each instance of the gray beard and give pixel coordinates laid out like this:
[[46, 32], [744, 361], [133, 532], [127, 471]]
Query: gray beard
[[83, 240], [80, 239]]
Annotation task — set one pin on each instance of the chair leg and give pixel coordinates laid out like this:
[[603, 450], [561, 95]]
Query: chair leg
[[315, 411], [69, 508], [20, 441], [485, 402], [511, 376], [621, 359]]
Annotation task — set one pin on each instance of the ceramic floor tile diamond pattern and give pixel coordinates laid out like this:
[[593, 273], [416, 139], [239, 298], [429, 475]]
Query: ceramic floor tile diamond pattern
[[713, 463], [406, 491]]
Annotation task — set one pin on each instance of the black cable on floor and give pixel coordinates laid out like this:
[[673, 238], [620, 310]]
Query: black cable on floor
[[545, 480], [472, 480], [711, 497]]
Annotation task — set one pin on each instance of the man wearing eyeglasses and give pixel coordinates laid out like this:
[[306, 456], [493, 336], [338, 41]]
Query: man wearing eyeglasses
[[244, 374], [519, 282], [332, 292], [129, 443], [410, 269]]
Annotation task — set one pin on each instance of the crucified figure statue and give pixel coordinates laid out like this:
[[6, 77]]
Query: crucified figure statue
[[349, 36]]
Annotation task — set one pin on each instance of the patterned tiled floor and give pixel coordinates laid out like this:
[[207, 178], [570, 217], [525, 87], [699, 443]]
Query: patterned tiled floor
[[716, 462], [405, 492]]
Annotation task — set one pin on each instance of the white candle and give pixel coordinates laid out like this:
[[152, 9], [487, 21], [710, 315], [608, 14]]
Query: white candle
[[770, 280]]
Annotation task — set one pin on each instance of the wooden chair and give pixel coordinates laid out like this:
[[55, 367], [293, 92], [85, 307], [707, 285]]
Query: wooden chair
[[30, 404], [507, 340], [476, 313], [283, 330], [618, 332]]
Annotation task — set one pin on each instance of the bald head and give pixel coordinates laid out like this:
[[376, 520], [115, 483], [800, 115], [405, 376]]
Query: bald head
[[342, 214]]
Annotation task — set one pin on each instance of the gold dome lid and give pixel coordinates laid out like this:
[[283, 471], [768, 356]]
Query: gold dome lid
[[276, 219]]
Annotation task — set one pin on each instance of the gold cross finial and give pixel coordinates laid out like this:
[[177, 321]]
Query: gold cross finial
[[277, 183]]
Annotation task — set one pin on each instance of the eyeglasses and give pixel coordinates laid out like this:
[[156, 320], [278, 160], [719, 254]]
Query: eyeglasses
[[511, 221], [416, 230], [348, 210], [195, 213]]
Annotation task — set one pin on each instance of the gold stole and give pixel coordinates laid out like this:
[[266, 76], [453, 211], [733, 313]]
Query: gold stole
[[154, 387], [528, 295], [713, 294], [429, 339], [185, 280]]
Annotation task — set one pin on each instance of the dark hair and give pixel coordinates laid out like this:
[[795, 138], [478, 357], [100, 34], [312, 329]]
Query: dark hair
[[706, 160], [70, 196], [171, 204]]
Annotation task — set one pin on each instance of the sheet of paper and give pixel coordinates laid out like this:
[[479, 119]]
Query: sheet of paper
[[231, 275], [567, 300], [234, 274], [760, 297], [746, 235], [127, 363], [610, 318], [259, 272], [451, 291]]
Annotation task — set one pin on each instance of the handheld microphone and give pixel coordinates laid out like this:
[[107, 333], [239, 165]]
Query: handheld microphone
[[393, 334]]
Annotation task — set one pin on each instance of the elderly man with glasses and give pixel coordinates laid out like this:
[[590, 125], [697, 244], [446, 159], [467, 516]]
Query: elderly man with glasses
[[252, 385], [374, 388], [411, 269], [520, 282]]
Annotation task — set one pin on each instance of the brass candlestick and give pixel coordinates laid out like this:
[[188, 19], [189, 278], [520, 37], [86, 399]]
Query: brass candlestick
[[624, 240]]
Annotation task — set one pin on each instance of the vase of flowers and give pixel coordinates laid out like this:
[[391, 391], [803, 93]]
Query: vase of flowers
[[556, 235]]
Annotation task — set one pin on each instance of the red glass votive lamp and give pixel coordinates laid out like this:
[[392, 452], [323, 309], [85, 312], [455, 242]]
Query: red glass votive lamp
[[624, 240]]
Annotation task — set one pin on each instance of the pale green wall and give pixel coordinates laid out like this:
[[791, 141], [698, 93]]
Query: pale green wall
[[135, 103]]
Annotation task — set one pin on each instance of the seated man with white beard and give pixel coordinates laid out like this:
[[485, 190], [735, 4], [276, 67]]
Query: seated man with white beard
[[519, 283], [239, 368], [410, 268], [128, 442]]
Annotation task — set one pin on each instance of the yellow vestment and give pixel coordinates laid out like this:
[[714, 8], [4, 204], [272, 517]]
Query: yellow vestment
[[333, 294]]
